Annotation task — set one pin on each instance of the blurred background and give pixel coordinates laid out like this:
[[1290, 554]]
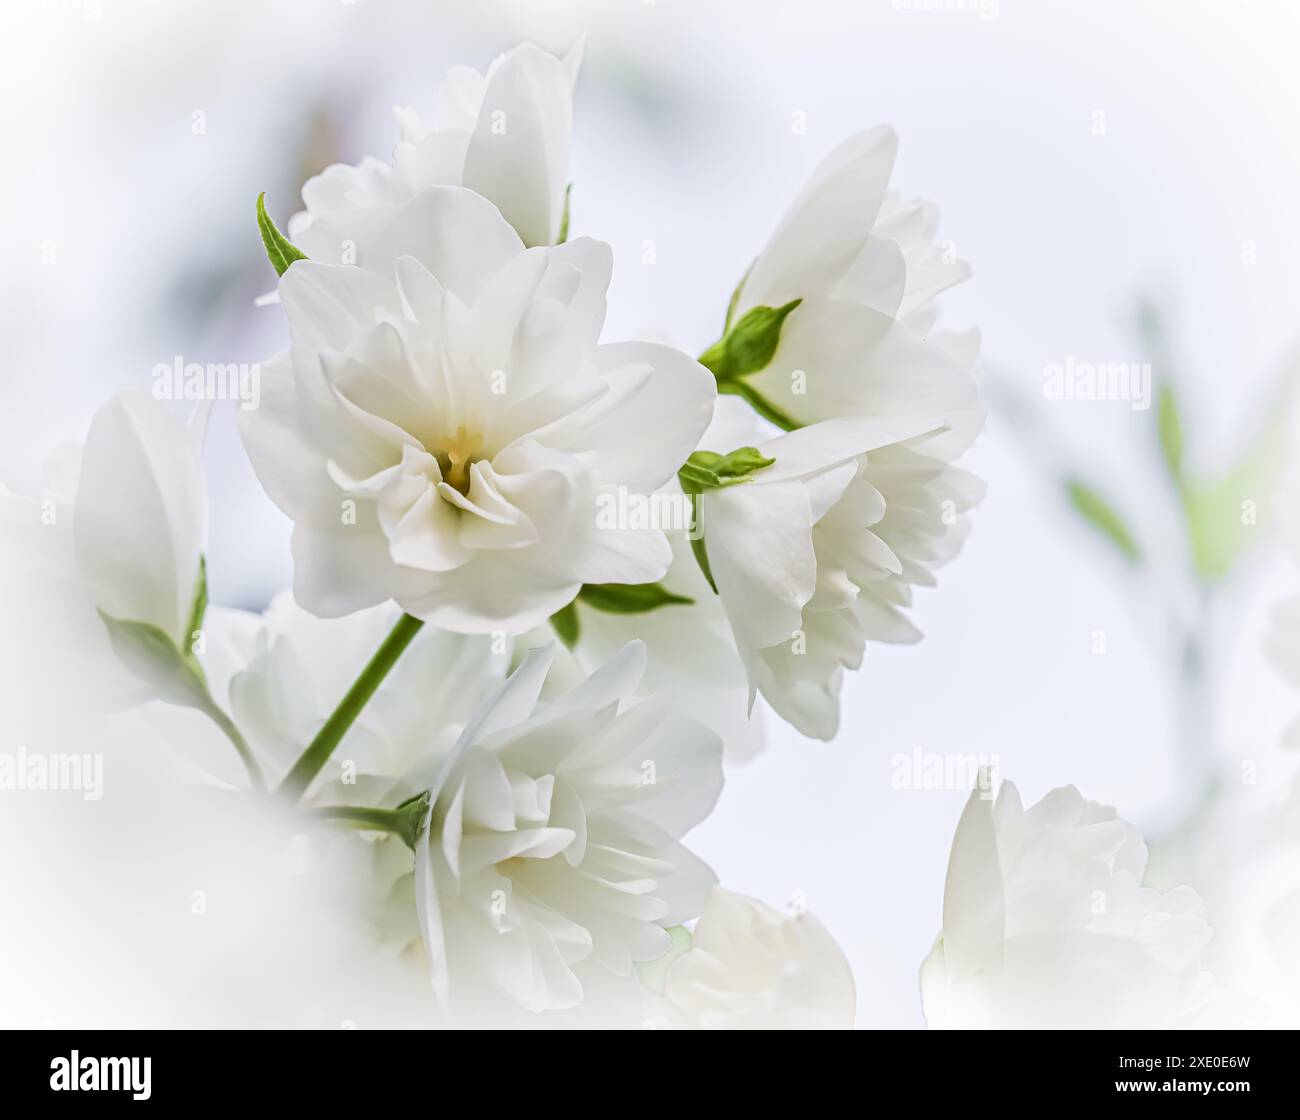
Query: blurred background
[[1122, 177]]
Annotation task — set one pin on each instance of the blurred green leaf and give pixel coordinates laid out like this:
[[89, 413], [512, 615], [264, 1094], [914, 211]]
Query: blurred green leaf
[[1169, 426], [1222, 513], [1101, 515], [1150, 324]]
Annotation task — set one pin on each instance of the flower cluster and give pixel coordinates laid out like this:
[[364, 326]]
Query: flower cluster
[[479, 663]]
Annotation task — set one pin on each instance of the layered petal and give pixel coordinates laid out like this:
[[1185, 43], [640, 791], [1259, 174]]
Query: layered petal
[[552, 837]]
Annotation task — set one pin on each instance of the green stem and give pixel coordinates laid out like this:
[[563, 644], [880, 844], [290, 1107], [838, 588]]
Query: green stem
[[327, 738], [232, 733], [759, 403]]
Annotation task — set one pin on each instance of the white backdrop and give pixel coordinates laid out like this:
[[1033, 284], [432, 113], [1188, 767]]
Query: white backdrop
[[1083, 154]]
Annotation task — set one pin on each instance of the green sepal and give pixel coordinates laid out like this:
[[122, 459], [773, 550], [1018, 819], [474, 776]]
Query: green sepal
[[701, 555], [412, 812], [175, 674], [708, 470], [280, 251], [747, 345], [154, 658]]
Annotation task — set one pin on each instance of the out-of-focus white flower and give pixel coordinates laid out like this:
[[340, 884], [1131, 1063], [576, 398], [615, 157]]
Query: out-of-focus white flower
[[752, 967], [141, 515], [1046, 924], [867, 267], [553, 837], [1282, 643], [445, 431], [816, 554], [504, 134], [118, 529]]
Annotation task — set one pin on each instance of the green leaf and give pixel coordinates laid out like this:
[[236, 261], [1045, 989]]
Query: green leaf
[[564, 219], [565, 622], [199, 608], [1095, 510], [280, 251], [629, 598], [747, 346], [1169, 428], [707, 470]]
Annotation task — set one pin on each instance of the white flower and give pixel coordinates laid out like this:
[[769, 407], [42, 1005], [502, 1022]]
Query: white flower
[[816, 554], [751, 967], [504, 134], [141, 515], [867, 267], [553, 837], [1046, 924], [444, 428]]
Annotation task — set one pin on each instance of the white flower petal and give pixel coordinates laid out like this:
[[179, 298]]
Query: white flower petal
[[519, 154]]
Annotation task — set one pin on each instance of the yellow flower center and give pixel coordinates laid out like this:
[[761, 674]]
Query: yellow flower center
[[456, 455]]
